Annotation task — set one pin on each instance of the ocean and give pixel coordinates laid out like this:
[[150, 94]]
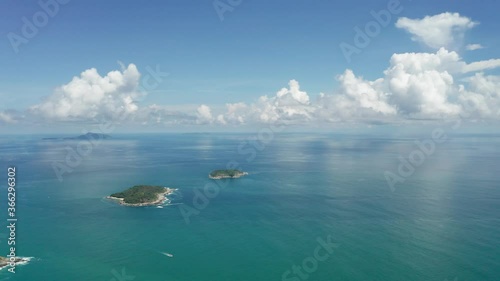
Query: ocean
[[320, 207]]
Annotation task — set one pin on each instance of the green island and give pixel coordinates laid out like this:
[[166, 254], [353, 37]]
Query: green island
[[224, 174], [142, 195]]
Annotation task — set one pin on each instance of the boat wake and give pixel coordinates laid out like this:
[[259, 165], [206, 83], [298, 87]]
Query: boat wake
[[167, 254]]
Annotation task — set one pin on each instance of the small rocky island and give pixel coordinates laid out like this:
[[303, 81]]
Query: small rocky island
[[142, 195], [17, 261], [226, 174]]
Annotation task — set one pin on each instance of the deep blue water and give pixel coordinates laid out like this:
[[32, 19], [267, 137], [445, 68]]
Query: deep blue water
[[441, 223]]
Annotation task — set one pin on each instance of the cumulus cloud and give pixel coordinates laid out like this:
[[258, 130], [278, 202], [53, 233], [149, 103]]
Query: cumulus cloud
[[435, 85], [443, 30], [421, 83], [425, 85], [473, 47], [483, 94], [204, 114], [292, 95], [290, 104], [236, 113], [414, 86], [356, 99], [90, 96], [440, 61]]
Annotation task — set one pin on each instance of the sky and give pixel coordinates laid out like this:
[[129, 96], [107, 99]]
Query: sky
[[232, 64]]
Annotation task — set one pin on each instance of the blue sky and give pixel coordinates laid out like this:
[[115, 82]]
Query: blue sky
[[256, 50]]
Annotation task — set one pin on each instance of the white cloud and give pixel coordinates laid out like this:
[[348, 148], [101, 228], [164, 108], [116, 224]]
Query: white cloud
[[221, 119], [481, 65], [90, 96], [293, 95], [356, 99], [443, 30], [204, 114], [6, 118], [364, 94], [483, 95], [440, 61], [290, 104], [436, 85], [165, 115], [421, 83], [414, 86], [236, 113], [473, 47]]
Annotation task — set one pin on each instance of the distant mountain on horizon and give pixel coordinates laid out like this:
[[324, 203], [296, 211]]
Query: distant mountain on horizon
[[86, 136]]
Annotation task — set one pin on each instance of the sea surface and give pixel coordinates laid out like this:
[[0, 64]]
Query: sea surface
[[442, 222]]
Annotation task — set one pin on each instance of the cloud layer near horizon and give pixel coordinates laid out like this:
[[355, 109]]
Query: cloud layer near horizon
[[428, 85]]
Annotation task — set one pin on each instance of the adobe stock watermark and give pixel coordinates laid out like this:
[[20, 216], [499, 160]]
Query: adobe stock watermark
[[250, 148], [310, 264], [416, 158], [75, 155], [363, 37], [223, 6], [31, 26], [121, 276], [424, 148]]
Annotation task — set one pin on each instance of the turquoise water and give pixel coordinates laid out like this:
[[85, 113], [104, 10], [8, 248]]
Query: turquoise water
[[442, 223]]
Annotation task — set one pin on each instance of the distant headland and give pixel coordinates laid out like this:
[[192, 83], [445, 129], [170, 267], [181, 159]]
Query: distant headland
[[142, 195], [87, 136], [226, 174]]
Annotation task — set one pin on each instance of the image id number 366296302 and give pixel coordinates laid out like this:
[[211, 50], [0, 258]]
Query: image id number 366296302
[[11, 220]]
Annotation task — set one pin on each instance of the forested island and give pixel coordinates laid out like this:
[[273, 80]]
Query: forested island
[[224, 174], [142, 195]]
